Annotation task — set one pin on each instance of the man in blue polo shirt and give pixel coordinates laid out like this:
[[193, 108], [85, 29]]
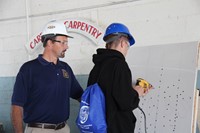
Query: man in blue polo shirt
[[44, 85]]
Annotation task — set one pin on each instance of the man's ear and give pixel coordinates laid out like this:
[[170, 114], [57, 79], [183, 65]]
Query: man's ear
[[49, 43], [121, 44]]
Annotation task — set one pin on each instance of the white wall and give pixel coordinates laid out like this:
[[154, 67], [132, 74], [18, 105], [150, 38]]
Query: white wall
[[151, 22]]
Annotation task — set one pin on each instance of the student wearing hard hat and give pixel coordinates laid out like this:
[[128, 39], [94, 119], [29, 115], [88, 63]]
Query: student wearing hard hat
[[115, 79], [44, 85]]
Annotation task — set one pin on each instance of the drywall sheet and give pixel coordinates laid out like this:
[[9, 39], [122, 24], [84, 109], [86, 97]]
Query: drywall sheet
[[172, 70]]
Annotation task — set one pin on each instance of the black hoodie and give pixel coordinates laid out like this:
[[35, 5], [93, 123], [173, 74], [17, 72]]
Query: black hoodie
[[114, 77]]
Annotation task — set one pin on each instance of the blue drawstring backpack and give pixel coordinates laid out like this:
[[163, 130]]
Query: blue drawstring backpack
[[92, 117]]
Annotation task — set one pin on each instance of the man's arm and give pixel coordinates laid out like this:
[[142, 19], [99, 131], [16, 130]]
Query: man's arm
[[17, 116]]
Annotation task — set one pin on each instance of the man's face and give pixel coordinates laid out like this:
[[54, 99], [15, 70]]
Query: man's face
[[60, 46]]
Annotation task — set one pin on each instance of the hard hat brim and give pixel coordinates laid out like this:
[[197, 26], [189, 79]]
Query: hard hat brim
[[131, 40]]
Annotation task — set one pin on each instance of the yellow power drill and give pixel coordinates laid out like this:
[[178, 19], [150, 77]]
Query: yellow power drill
[[143, 83]]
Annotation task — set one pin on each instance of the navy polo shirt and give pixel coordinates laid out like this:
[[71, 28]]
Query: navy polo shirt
[[44, 89]]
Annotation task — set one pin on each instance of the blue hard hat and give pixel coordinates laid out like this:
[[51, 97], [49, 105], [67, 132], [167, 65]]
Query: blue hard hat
[[118, 28]]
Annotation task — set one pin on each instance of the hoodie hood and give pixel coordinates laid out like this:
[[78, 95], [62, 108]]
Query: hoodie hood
[[105, 54]]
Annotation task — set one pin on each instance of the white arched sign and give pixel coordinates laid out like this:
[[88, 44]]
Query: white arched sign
[[79, 26]]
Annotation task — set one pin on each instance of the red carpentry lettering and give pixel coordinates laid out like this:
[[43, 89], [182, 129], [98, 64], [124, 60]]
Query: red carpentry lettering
[[84, 27], [35, 41]]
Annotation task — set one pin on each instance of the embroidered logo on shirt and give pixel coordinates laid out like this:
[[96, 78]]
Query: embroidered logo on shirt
[[65, 73]]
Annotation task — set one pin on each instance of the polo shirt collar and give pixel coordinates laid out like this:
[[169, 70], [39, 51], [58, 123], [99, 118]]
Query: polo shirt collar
[[45, 62]]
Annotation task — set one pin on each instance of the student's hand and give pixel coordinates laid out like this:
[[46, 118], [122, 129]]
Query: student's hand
[[141, 91], [146, 90]]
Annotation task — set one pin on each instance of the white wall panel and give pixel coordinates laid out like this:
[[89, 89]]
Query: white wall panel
[[12, 9], [192, 28], [66, 5], [1, 44], [6, 70], [172, 70], [13, 28], [9, 58], [14, 43]]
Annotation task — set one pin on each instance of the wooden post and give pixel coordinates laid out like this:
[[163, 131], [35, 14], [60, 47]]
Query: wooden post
[[196, 99]]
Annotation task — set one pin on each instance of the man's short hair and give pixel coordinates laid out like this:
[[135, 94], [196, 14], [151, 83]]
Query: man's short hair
[[45, 38], [113, 39]]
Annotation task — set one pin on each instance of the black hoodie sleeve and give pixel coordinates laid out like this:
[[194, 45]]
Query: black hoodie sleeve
[[125, 96]]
